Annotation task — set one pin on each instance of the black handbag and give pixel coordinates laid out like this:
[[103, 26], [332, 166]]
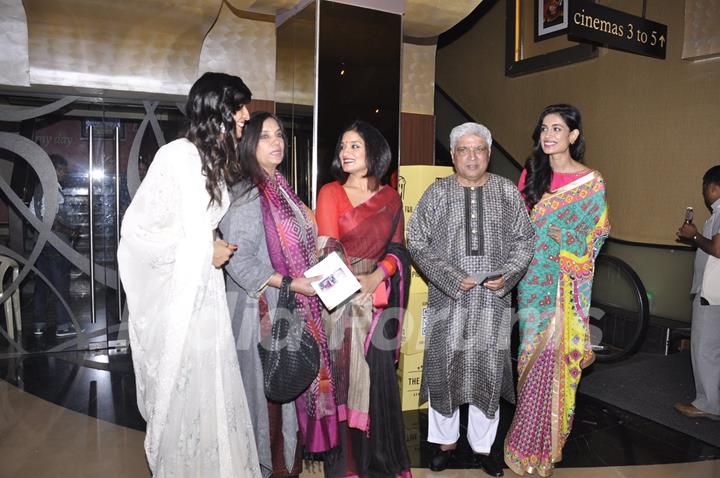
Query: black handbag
[[290, 356]]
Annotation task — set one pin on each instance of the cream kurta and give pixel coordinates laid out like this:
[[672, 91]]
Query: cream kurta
[[189, 388], [453, 233]]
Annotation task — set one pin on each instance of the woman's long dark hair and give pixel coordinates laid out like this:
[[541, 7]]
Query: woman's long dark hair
[[250, 168], [538, 171], [211, 104], [377, 154]]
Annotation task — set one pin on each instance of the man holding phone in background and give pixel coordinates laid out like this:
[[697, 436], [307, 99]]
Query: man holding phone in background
[[705, 334], [471, 236]]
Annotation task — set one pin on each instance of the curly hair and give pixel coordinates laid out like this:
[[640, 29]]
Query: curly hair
[[538, 171], [211, 104]]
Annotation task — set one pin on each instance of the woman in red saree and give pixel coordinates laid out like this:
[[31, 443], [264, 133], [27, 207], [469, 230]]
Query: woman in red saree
[[367, 218]]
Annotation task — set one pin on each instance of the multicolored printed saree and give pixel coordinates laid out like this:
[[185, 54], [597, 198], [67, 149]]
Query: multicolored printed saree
[[553, 305]]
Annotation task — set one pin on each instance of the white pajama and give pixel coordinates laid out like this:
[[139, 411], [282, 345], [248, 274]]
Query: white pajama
[[446, 430]]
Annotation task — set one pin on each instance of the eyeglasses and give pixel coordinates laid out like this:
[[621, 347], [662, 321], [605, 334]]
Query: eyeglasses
[[465, 150]]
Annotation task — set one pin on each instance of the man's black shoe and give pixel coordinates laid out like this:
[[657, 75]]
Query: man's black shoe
[[491, 464], [440, 459]]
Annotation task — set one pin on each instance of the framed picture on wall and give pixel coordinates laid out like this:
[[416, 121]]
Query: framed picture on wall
[[551, 18], [527, 28]]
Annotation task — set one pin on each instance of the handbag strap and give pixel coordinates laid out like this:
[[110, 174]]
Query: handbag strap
[[286, 294]]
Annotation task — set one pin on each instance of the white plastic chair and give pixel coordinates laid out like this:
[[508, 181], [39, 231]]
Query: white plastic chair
[[12, 305]]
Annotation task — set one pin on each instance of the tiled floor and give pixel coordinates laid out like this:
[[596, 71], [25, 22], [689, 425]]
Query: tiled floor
[[74, 415]]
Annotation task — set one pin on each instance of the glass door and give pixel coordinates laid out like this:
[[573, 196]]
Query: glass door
[[99, 211], [69, 167]]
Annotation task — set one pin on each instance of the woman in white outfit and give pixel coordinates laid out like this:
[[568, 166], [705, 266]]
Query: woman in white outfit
[[189, 388]]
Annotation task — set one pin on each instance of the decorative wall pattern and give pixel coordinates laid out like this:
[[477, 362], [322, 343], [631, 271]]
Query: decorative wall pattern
[[134, 45], [418, 78], [242, 47], [14, 63], [269, 7], [429, 18], [702, 29], [161, 46]]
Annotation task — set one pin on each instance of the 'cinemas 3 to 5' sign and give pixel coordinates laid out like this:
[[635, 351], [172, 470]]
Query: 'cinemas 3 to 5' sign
[[616, 29]]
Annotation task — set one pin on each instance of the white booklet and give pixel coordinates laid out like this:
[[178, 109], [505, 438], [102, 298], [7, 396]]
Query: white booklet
[[481, 277], [337, 282]]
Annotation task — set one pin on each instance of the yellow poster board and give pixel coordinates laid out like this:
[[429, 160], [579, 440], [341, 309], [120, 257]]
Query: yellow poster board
[[409, 377], [414, 180], [414, 436], [412, 183], [414, 324]]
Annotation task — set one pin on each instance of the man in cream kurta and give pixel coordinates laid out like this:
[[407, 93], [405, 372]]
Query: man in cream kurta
[[469, 223]]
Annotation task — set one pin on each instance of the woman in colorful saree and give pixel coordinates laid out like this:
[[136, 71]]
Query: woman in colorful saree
[[567, 205], [275, 235], [367, 218]]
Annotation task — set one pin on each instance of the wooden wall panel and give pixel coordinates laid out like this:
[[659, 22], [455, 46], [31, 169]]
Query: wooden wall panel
[[417, 139], [261, 105]]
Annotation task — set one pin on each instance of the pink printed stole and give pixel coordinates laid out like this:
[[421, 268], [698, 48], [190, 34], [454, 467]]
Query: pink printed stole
[[291, 246]]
